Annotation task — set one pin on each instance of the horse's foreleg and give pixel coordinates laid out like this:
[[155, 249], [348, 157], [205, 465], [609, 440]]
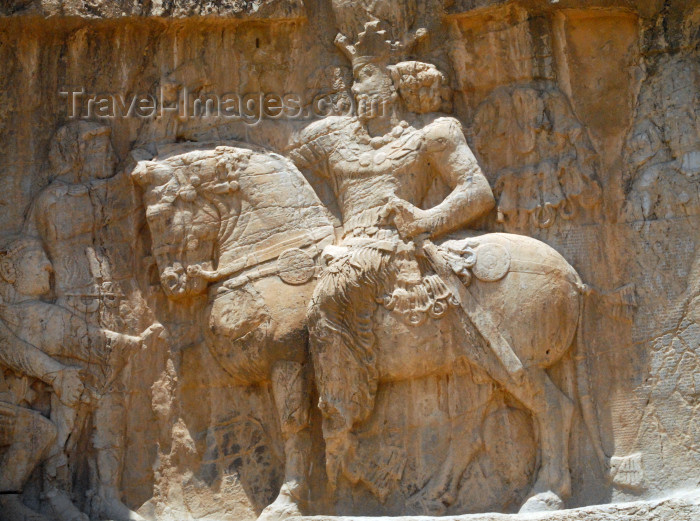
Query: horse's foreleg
[[289, 388], [291, 396], [441, 491]]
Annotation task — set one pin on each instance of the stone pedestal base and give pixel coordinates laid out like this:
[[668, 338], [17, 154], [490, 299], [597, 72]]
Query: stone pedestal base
[[682, 507]]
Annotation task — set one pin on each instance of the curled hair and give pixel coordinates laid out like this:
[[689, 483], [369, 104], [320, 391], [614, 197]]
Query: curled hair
[[422, 87]]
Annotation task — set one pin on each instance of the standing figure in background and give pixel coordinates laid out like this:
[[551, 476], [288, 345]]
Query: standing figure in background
[[84, 221]]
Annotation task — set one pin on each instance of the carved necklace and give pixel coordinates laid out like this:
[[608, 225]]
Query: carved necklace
[[378, 142]]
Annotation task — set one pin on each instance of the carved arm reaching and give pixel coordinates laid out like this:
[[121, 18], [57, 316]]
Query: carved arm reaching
[[471, 196]]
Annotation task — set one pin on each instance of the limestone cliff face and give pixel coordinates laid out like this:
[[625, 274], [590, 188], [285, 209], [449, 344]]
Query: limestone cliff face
[[584, 117], [243, 9]]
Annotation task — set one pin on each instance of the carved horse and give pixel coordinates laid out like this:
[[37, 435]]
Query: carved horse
[[244, 226], [387, 311]]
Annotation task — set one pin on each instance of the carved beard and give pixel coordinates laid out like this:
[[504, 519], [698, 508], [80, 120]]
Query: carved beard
[[373, 106]]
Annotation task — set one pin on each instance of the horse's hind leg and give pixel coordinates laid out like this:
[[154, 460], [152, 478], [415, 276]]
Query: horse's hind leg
[[291, 396], [289, 387], [553, 412]]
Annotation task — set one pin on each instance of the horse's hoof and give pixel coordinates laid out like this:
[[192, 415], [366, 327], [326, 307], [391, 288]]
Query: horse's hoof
[[542, 502], [284, 507], [63, 508], [115, 510], [423, 507]]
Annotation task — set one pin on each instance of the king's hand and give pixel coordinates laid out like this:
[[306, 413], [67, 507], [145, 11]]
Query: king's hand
[[410, 221]]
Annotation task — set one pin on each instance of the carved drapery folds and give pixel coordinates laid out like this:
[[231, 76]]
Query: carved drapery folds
[[662, 163]]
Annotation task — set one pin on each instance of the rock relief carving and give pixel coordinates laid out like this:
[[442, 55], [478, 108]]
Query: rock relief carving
[[537, 155], [23, 367], [78, 229], [45, 342], [673, 351], [84, 218], [408, 301], [386, 274], [662, 152], [242, 226]]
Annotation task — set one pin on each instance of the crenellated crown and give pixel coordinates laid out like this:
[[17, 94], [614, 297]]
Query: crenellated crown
[[373, 46]]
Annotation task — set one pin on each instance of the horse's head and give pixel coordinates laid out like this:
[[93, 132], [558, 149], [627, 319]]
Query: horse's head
[[184, 222]]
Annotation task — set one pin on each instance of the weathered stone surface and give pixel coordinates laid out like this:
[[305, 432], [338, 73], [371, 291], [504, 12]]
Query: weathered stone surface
[[295, 260], [241, 9], [676, 509]]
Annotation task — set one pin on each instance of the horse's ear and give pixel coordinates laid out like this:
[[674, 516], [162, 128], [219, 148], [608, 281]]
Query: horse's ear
[[142, 174]]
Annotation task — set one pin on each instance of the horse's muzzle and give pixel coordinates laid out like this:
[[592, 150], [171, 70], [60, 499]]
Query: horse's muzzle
[[177, 285]]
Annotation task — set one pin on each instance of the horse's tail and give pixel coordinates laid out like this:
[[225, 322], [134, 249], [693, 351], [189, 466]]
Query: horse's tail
[[583, 381]]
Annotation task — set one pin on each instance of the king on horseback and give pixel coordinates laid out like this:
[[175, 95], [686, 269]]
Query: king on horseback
[[385, 274]]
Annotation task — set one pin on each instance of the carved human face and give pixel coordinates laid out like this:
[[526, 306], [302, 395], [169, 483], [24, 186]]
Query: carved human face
[[32, 272], [98, 156], [374, 92], [94, 159]]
